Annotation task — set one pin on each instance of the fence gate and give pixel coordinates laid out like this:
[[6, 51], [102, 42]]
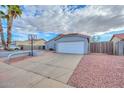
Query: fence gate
[[101, 47], [119, 48]]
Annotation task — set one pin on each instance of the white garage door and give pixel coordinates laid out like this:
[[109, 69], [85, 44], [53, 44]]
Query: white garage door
[[70, 47]]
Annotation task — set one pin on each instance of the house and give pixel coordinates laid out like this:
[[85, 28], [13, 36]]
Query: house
[[26, 45], [69, 43], [50, 45], [117, 37], [118, 43]]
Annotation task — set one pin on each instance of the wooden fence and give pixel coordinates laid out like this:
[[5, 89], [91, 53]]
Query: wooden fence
[[101, 47]]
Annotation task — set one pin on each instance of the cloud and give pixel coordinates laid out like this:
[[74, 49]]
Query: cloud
[[64, 19]]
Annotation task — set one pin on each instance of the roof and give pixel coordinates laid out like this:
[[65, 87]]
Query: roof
[[121, 36], [71, 34], [60, 35]]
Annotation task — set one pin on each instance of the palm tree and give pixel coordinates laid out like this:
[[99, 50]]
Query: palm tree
[[2, 15], [13, 12]]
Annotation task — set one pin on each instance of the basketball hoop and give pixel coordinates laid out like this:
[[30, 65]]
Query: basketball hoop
[[31, 38]]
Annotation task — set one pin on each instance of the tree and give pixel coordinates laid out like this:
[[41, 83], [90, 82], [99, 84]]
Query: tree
[[2, 15], [95, 38], [13, 12]]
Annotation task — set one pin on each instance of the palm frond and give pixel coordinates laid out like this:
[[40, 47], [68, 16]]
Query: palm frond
[[3, 6], [14, 10], [2, 14]]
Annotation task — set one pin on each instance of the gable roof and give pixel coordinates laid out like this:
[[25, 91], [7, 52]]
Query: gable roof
[[121, 36], [55, 38], [71, 34]]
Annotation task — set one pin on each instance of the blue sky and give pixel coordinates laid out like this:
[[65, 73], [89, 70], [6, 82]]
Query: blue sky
[[107, 36], [49, 21]]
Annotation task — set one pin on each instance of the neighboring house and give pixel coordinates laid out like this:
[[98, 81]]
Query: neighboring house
[[26, 45], [69, 43], [118, 43], [50, 45]]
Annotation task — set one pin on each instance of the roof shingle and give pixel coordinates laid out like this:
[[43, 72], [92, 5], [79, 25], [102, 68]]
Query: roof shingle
[[121, 36]]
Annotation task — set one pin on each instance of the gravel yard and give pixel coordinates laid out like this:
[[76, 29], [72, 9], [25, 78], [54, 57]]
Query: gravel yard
[[99, 71]]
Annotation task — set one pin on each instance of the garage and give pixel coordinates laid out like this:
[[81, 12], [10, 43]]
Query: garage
[[72, 43], [70, 47]]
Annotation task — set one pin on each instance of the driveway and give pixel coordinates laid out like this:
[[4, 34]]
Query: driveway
[[99, 71], [48, 70]]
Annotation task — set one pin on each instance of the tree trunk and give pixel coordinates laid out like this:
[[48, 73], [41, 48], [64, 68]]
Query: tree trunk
[[9, 34], [2, 35]]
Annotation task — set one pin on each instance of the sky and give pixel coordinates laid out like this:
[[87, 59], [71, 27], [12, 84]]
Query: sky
[[48, 21]]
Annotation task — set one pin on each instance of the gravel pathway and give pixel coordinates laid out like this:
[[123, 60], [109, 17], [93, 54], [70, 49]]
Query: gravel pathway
[[99, 71]]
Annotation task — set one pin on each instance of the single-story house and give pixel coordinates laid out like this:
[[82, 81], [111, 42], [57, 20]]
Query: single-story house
[[50, 45], [118, 43], [26, 45], [69, 43]]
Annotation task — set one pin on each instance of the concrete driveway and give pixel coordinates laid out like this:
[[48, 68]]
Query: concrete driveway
[[48, 70]]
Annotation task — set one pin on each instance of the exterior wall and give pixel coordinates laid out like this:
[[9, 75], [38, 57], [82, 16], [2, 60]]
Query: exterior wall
[[50, 45], [75, 38], [36, 42], [115, 40], [26, 45]]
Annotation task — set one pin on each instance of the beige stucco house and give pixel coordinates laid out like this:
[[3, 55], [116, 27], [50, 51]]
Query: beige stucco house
[[38, 44]]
